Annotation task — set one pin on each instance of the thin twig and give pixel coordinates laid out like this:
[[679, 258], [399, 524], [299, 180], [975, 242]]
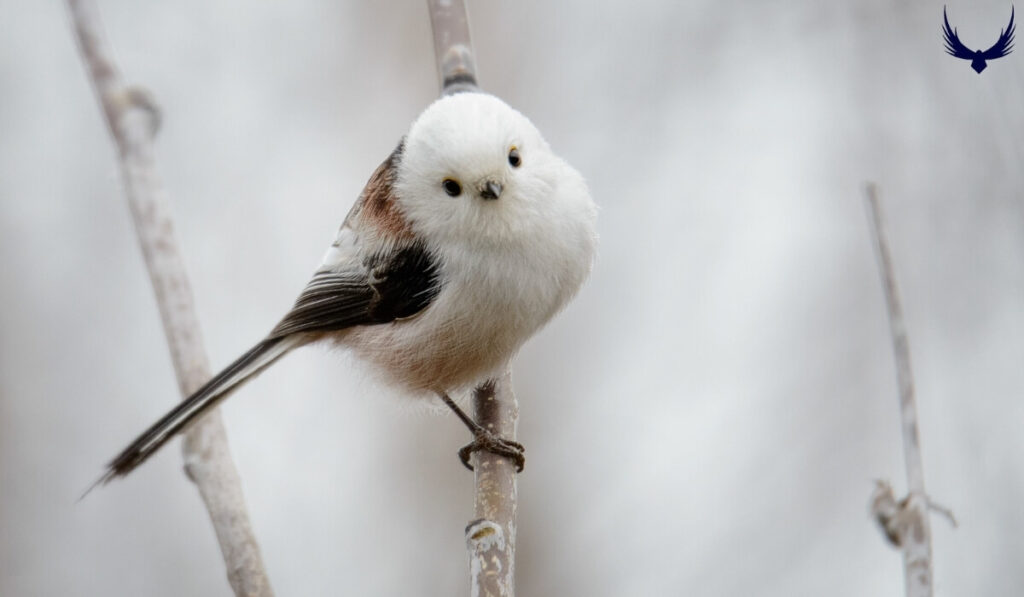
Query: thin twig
[[906, 523], [132, 118], [491, 537]]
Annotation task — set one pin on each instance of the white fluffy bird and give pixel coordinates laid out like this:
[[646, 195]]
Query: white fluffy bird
[[468, 238]]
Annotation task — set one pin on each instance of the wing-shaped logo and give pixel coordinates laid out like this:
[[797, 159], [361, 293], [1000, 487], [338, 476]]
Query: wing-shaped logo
[[954, 47]]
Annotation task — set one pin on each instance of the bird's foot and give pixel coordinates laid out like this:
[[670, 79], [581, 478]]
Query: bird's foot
[[488, 442]]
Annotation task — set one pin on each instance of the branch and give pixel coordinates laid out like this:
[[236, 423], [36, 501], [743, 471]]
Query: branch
[[133, 119], [453, 48], [905, 523], [491, 537]]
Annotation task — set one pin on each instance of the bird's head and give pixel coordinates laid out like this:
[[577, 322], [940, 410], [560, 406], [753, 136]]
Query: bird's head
[[474, 169]]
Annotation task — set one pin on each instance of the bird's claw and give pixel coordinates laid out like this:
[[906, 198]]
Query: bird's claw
[[488, 442]]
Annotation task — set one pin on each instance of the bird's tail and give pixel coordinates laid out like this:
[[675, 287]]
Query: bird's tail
[[199, 403]]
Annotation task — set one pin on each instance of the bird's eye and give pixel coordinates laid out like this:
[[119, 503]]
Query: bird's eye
[[452, 187], [513, 158]]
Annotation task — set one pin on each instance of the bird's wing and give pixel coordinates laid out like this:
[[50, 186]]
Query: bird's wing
[[1004, 45], [954, 47], [360, 285], [331, 301], [387, 286]]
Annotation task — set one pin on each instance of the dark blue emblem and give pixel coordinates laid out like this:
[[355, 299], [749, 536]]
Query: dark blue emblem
[[954, 47]]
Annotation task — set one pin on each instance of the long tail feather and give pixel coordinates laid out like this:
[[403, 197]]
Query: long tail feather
[[199, 403]]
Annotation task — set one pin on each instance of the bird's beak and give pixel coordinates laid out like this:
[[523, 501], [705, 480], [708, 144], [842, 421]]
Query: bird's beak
[[491, 190]]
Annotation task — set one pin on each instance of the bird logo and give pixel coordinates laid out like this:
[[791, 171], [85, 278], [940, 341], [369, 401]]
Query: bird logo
[[956, 48]]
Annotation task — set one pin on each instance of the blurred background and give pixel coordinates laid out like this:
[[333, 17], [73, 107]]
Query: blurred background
[[707, 418]]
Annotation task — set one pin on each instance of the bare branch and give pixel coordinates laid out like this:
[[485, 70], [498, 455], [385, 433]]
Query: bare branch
[[944, 512], [453, 48], [132, 118], [901, 350], [905, 523], [491, 538]]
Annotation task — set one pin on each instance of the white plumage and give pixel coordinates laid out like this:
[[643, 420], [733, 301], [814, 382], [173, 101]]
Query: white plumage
[[506, 265]]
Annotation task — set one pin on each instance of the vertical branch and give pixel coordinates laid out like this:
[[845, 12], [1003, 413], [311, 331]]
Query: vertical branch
[[453, 48], [132, 118], [491, 537], [901, 350], [906, 523]]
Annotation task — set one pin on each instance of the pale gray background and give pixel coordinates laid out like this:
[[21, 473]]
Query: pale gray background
[[706, 419]]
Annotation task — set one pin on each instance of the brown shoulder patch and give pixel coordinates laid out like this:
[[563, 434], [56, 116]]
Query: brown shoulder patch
[[378, 199]]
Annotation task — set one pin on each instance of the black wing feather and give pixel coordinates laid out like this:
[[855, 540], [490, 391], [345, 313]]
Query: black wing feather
[[331, 301], [404, 283], [394, 285]]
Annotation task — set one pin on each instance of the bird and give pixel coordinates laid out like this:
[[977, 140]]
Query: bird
[[954, 47], [464, 242]]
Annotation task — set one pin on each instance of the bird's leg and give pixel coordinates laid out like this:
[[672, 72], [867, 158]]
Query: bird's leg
[[484, 439]]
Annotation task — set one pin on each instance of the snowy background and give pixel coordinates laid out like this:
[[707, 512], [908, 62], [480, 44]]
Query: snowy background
[[706, 419]]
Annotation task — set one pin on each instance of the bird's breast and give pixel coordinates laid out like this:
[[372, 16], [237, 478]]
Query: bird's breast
[[490, 303]]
